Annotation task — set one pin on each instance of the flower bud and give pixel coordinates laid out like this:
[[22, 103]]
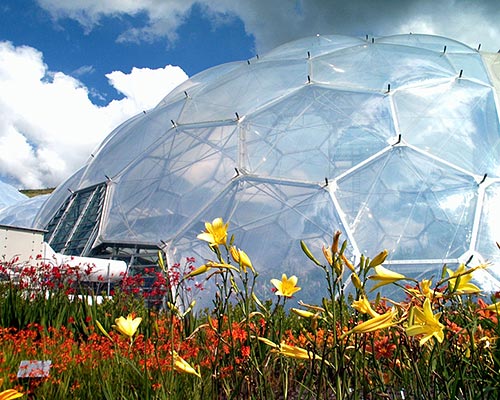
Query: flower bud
[[356, 281], [303, 313], [308, 253], [378, 259]]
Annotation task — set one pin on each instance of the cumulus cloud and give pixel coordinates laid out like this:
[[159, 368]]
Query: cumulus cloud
[[273, 22], [48, 124], [138, 88]]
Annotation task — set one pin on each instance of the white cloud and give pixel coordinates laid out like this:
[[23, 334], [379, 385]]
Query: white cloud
[[273, 22], [48, 124], [83, 70], [137, 85]]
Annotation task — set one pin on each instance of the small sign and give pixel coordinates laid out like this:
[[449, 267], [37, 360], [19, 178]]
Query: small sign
[[34, 369]]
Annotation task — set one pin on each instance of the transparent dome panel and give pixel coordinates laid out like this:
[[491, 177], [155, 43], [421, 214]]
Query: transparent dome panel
[[315, 46], [166, 186], [244, 90], [410, 205], [124, 128], [489, 228], [22, 214], [9, 195], [429, 42], [470, 65], [268, 221], [448, 118], [375, 66], [316, 132], [124, 146], [198, 81]]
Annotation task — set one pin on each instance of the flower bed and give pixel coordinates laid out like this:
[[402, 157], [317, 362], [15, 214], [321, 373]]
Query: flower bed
[[439, 343]]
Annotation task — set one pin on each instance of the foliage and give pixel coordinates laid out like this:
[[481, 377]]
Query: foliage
[[440, 342]]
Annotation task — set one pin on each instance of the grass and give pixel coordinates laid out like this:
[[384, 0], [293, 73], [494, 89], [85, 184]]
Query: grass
[[36, 192]]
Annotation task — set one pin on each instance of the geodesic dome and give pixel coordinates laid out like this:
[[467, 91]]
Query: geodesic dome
[[9, 195], [22, 213], [394, 141]]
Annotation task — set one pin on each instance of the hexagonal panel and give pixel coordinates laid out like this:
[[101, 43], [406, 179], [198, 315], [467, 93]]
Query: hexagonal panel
[[453, 120], [160, 192], [410, 205], [316, 132], [268, 221]]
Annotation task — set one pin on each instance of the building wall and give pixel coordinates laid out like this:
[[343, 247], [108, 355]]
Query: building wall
[[20, 242]]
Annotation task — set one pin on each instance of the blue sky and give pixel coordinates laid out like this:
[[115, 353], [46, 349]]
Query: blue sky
[[89, 56], [72, 70]]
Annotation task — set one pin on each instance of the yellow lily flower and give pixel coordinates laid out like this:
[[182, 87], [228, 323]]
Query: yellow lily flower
[[376, 323], [363, 306], [425, 290], [240, 257], [423, 322], [128, 326], [215, 232], [287, 286], [9, 394], [291, 351], [181, 365], [384, 276], [460, 281]]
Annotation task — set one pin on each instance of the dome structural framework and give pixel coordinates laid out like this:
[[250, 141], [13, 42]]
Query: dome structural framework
[[394, 141]]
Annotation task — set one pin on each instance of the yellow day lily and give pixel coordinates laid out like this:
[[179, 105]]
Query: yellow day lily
[[363, 306], [384, 276], [291, 351], [128, 326], [215, 232], [287, 286], [376, 323], [423, 322], [240, 257], [181, 365], [425, 290], [460, 281], [9, 393]]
